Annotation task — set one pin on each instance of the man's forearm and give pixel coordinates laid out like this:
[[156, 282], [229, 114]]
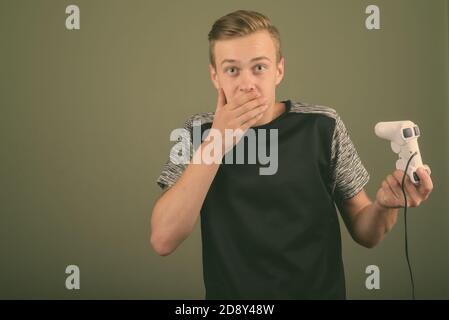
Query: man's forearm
[[373, 222], [176, 212]]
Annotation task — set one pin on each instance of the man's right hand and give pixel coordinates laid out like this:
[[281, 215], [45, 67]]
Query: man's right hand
[[238, 115]]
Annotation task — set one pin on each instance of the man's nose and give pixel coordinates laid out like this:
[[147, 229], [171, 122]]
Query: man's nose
[[247, 82]]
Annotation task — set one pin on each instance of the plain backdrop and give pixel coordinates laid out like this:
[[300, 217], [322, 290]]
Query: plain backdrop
[[86, 117]]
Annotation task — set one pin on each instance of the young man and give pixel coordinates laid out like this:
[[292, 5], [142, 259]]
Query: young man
[[270, 236]]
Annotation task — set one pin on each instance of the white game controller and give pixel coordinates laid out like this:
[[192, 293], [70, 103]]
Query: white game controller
[[404, 141]]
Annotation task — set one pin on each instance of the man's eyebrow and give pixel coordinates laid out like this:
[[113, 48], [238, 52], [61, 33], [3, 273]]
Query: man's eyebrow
[[252, 60]]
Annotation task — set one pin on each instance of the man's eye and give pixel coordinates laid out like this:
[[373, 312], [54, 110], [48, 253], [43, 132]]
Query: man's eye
[[231, 71], [260, 67]]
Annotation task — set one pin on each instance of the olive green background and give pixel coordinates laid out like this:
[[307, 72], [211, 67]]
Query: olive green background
[[86, 117]]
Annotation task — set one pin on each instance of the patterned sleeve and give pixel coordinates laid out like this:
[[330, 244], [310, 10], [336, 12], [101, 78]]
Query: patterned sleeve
[[349, 174], [181, 149]]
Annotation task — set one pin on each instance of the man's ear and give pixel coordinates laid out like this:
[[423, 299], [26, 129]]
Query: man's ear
[[213, 76], [280, 71]]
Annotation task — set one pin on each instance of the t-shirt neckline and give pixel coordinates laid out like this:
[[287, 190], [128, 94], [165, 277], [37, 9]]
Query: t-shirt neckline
[[288, 105]]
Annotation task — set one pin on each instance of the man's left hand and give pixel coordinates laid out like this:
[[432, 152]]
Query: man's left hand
[[390, 194]]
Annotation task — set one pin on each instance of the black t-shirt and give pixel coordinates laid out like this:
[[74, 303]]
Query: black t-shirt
[[277, 236]]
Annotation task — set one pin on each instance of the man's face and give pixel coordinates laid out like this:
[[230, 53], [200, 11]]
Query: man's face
[[247, 63]]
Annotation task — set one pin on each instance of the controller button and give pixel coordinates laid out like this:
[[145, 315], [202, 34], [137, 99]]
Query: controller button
[[407, 132], [417, 132]]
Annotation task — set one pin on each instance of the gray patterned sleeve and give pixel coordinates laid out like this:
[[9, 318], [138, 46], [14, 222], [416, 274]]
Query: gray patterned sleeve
[[174, 168], [349, 174]]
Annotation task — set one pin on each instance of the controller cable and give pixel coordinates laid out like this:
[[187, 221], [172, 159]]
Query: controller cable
[[405, 223]]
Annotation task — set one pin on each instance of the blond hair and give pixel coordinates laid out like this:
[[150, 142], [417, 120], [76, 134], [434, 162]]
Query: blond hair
[[241, 23]]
